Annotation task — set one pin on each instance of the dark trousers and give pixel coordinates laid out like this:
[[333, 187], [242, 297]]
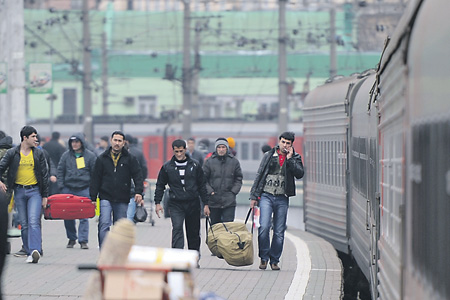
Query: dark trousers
[[189, 213], [3, 233], [218, 215]]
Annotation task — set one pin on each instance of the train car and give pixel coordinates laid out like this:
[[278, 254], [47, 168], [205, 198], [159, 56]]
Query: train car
[[398, 142], [427, 241], [325, 186], [155, 139]]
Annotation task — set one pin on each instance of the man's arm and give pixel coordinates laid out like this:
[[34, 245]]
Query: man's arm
[[159, 190], [207, 175], [138, 180], [96, 180], [238, 176], [295, 166]]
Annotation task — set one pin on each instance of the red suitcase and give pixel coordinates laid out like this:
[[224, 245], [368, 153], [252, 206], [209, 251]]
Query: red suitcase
[[68, 207]]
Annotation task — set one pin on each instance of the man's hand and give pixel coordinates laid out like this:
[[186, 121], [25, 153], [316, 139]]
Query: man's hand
[[138, 199], [206, 210], [3, 187], [53, 178], [253, 203], [290, 152], [44, 202], [158, 208]]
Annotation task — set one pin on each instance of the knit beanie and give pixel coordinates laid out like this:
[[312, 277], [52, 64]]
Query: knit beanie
[[221, 141]]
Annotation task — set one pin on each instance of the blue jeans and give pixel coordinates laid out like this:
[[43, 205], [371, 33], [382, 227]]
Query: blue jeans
[[278, 206], [131, 210], [29, 206], [83, 228], [118, 211]]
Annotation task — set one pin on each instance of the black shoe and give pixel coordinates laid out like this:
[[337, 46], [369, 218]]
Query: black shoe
[[84, 245], [263, 265], [21, 253], [70, 244]]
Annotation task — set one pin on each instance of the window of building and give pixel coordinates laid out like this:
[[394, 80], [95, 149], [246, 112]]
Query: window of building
[[147, 105], [70, 102]]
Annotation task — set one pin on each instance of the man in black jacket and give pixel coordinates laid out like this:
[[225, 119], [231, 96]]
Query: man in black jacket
[[74, 176], [186, 181], [111, 182], [223, 182], [28, 177], [273, 185], [55, 150]]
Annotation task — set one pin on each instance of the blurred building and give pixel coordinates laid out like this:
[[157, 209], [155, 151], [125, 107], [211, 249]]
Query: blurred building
[[203, 5]]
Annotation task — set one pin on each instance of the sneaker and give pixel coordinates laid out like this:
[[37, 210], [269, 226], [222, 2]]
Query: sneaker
[[34, 257], [263, 265], [84, 245], [70, 244], [275, 267], [21, 253]]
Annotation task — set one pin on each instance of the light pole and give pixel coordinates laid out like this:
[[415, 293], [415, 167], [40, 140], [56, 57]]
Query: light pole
[[51, 98]]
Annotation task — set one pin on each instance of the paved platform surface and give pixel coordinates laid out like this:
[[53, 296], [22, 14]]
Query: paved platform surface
[[310, 268]]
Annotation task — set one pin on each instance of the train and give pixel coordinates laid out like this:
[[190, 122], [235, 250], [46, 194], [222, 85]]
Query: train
[[155, 138], [376, 151]]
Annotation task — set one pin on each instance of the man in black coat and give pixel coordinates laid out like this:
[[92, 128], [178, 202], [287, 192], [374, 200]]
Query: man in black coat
[[223, 182], [273, 185], [111, 182], [55, 150], [187, 185]]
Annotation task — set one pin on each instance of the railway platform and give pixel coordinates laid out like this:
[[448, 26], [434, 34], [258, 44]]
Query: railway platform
[[310, 268]]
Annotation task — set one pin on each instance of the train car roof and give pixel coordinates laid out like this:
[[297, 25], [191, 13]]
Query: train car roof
[[428, 63], [332, 92], [401, 30]]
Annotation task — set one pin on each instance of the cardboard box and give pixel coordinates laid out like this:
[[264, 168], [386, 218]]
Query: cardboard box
[[134, 284]]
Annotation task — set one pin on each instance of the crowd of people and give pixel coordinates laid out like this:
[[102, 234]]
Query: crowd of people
[[114, 172]]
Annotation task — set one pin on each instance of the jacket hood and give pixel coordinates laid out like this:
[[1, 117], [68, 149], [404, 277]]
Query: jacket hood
[[79, 136], [6, 142]]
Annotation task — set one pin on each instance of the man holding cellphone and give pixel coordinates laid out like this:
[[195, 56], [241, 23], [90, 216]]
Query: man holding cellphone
[[273, 185]]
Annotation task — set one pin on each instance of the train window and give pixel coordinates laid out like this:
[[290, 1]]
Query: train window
[[256, 151], [322, 162], [363, 165], [244, 151], [327, 162], [333, 163], [153, 151], [355, 162]]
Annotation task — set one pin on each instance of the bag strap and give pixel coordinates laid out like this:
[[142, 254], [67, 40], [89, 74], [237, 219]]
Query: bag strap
[[250, 210], [207, 220]]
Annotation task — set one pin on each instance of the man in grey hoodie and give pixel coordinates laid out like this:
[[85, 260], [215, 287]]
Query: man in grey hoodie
[[74, 176]]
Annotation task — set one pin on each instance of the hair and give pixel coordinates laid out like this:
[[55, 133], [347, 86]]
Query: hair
[[288, 135], [178, 143], [2, 134], [191, 139], [27, 131], [265, 148], [119, 133], [56, 135], [105, 138]]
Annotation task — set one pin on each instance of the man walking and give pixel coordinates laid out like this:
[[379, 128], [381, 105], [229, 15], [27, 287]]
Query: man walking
[[55, 150], [28, 177], [195, 154], [74, 176], [131, 146], [186, 181], [111, 181], [223, 182], [273, 185]]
